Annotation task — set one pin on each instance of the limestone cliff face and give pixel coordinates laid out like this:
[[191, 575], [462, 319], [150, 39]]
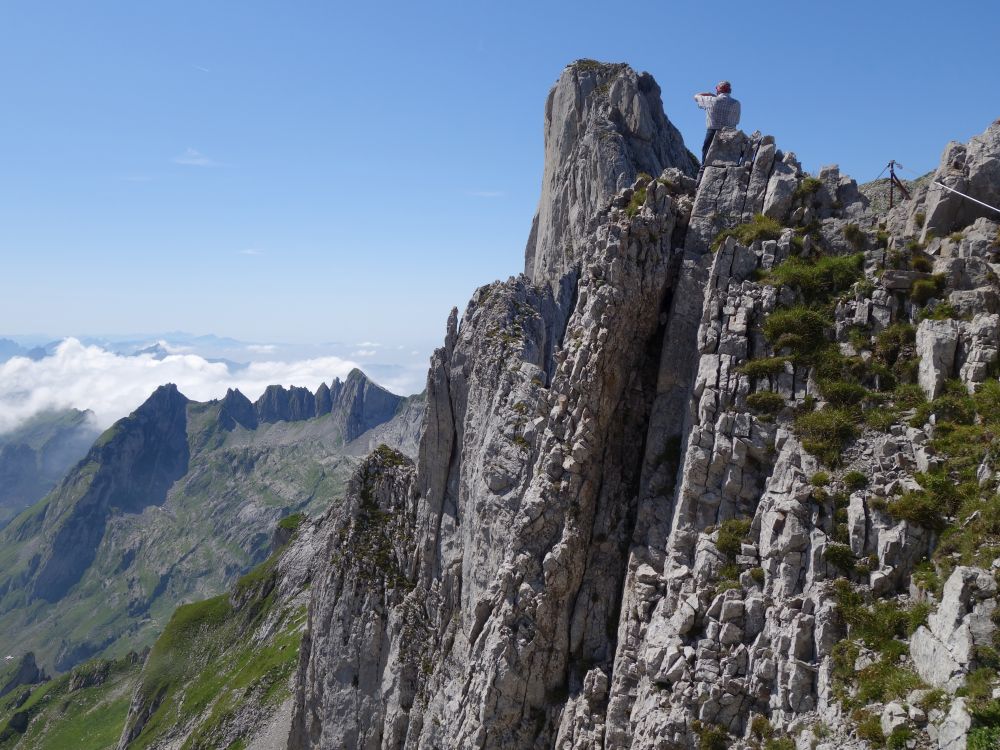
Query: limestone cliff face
[[973, 169], [497, 563], [617, 532], [604, 124]]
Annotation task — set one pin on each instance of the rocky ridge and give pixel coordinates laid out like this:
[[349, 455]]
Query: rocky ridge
[[170, 504], [686, 484], [724, 475]]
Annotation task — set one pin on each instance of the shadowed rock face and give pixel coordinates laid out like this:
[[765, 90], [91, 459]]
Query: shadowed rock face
[[279, 404], [134, 463], [23, 672], [236, 409], [361, 404], [604, 124], [357, 404]]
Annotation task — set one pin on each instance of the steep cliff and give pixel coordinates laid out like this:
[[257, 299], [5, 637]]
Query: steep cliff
[[686, 483], [604, 125]]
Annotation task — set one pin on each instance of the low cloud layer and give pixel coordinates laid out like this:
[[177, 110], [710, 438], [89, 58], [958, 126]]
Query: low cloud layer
[[113, 385]]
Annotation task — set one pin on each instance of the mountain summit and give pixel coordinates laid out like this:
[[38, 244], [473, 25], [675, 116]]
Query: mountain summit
[[719, 470], [675, 482]]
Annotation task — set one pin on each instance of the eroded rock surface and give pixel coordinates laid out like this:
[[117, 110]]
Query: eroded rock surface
[[613, 535]]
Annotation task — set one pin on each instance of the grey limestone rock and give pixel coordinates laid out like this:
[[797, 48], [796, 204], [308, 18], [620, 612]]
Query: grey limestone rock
[[944, 650], [973, 169], [601, 543], [604, 124], [954, 729], [937, 342]]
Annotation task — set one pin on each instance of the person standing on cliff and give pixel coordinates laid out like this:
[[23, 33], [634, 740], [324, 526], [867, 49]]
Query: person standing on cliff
[[721, 111]]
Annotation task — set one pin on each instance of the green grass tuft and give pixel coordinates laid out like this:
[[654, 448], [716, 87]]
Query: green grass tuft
[[807, 188], [826, 433], [732, 534], [800, 329], [819, 279], [855, 480], [760, 227], [636, 202], [292, 522], [765, 403], [764, 367]]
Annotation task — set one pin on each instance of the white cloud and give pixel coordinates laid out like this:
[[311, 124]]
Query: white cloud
[[193, 158], [364, 353], [113, 385], [369, 344], [251, 251], [172, 348], [202, 69], [261, 348]]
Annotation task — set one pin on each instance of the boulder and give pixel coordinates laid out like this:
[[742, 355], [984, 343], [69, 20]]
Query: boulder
[[937, 342]]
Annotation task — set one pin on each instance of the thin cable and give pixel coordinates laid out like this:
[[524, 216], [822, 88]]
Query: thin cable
[[938, 183]]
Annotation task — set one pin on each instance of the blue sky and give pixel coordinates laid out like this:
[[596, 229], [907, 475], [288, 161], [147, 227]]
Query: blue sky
[[315, 171]]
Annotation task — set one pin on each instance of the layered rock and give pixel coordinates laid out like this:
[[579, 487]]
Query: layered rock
[[944, 651], [603, 542], [604, 124]]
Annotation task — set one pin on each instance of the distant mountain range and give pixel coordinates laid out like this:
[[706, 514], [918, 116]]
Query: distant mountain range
[[35, 456], [172, 504]]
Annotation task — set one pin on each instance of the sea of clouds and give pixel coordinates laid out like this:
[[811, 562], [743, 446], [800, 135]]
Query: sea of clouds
[[112, 385]]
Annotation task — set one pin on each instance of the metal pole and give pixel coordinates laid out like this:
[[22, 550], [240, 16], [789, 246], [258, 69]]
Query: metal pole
[[892, 181]]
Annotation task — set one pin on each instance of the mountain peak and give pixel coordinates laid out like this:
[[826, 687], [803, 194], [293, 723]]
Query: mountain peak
[[604, 125]]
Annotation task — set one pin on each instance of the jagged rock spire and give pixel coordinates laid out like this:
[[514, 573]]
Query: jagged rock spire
[[604, 124]]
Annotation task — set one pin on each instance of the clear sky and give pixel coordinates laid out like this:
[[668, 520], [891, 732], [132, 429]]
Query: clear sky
[[311, 171]]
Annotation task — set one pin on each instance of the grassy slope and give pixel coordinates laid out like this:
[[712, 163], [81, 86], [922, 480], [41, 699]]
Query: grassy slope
[[90, 718], [215, 525], [222, 662], [212, 663]]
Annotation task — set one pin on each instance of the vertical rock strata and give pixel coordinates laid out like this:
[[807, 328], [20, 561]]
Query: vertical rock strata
[[516, 523], [605, 540], [604, 125]]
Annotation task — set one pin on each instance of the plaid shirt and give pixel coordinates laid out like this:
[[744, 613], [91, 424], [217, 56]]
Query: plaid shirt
[[721, 111]]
